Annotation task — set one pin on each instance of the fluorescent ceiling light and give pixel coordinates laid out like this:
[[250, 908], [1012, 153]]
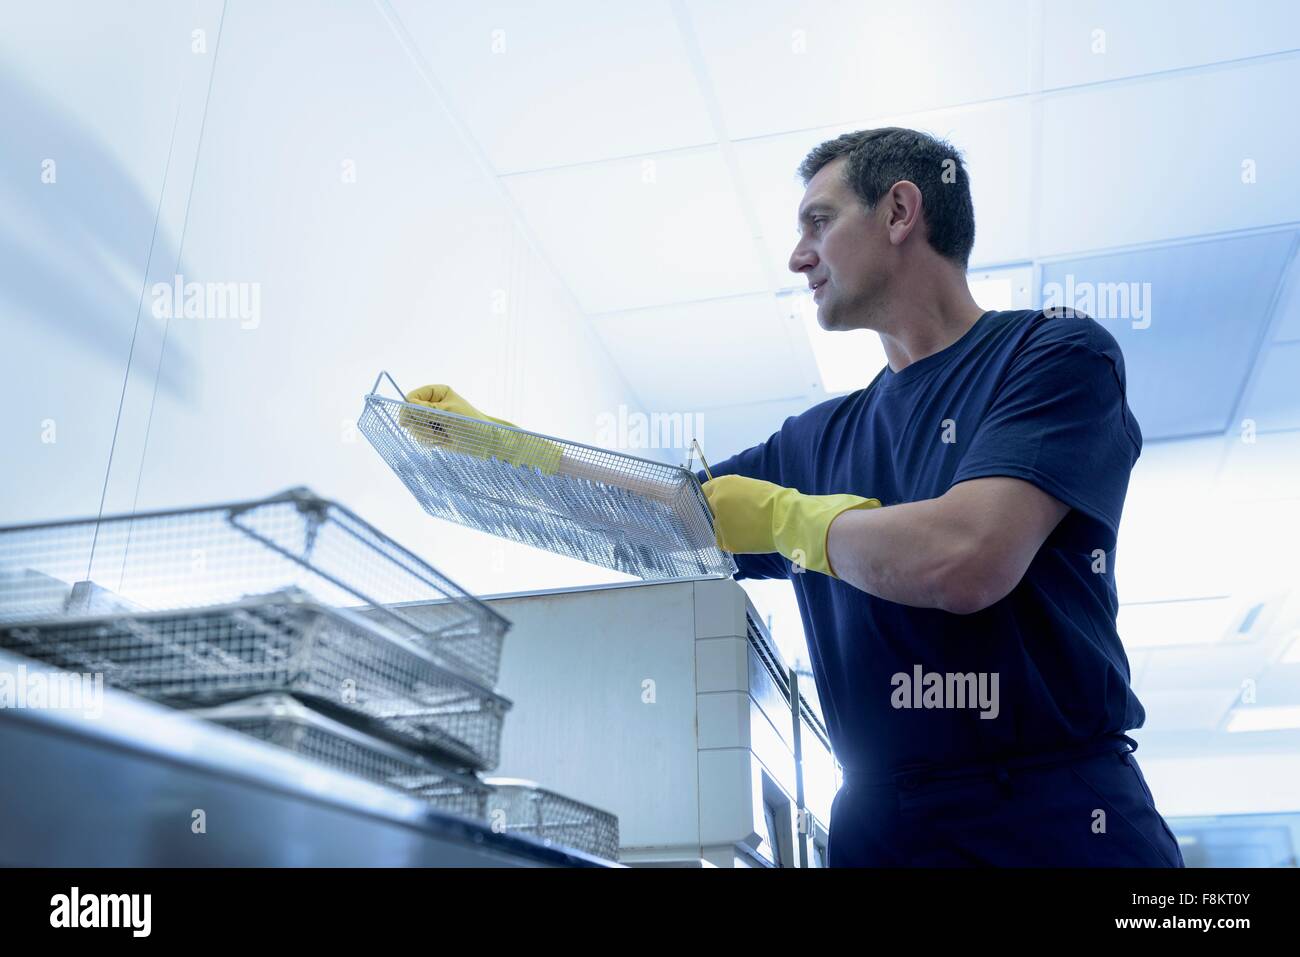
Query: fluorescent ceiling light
[[1159, 624], [1248, 717]]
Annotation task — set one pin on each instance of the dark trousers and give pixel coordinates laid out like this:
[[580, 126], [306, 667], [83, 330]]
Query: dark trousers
[[1058, 810]]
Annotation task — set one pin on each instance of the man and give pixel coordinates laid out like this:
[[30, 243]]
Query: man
[[950, 533]]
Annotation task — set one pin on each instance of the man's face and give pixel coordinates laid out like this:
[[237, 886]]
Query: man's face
[[842, 250]]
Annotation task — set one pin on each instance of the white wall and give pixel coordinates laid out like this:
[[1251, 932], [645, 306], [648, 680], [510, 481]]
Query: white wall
[[405, 269]]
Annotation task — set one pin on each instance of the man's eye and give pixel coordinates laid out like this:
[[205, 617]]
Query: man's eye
[[818, 220]]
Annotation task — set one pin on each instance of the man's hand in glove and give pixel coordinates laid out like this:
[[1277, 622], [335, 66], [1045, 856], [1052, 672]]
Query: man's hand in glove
[[752, 516], [481, 441]]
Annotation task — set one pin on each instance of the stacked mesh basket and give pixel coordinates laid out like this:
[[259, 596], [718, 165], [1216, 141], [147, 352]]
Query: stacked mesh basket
[[523, 807], [285, 721], [283, 618]]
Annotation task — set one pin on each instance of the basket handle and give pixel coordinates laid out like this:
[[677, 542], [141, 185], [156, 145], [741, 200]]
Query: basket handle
[[374, 389]]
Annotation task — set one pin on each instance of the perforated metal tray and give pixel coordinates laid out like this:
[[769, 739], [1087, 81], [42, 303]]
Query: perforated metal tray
[[630, 514]]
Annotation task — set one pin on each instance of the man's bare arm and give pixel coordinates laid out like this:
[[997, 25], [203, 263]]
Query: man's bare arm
[[960, 552]]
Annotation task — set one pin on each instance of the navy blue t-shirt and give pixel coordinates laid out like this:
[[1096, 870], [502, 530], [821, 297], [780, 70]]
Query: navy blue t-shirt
[[1021, 394]]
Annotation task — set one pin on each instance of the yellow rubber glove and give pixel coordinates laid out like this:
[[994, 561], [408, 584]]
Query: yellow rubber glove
[[752, 516], [480, 441]]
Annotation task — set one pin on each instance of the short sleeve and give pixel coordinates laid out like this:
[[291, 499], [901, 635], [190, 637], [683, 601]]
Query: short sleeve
[[1059, 418], [761, 461]]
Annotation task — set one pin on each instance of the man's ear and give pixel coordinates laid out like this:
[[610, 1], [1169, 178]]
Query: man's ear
[[903, 204]]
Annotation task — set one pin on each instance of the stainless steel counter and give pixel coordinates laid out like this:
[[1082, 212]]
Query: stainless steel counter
[[131, 786]]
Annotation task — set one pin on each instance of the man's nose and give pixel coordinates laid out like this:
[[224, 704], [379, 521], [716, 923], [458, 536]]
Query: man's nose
[[802, 258]]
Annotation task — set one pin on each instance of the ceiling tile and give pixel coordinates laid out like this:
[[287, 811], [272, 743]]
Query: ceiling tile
[[1288, 322], [1161, 159], [1158, 35], [1186, 710], [632, 233], [1189, 348], [1263, 469], [695, 356], [1274, 401], [540, 86], [778, 66]]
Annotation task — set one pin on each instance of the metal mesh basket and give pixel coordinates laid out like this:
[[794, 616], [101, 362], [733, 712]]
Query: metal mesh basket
[[281, 642], [197, 557], [284, 721], [633, 515], [522, 807]]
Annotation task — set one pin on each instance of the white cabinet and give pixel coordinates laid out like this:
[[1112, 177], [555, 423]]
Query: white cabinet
[[668, 705]]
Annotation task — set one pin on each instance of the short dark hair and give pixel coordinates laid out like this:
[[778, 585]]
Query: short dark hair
[[877, 159]]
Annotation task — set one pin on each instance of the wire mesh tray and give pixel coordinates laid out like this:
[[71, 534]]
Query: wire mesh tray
[[284, 721], [524, 808], [211, 555], [633, 515], [284, 642]]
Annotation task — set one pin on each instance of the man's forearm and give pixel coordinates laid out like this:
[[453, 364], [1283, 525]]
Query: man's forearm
[[914, 554]]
